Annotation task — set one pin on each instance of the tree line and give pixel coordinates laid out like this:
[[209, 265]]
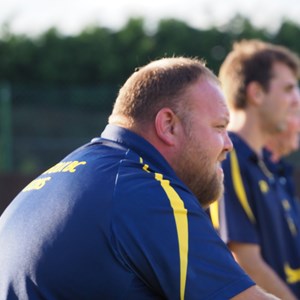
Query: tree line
[[99, 55]]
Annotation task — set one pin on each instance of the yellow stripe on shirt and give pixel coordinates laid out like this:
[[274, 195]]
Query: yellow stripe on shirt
[[239, 186], [181, 220], [180, 215]]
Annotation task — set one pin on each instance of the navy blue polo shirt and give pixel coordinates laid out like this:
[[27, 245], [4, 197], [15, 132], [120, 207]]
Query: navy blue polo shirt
[[113, 221], [258, 208]]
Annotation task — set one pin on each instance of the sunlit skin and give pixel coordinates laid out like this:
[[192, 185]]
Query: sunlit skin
[[204, 142]]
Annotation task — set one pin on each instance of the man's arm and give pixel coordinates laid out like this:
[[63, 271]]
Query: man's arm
[[249, 258], [256, 293]]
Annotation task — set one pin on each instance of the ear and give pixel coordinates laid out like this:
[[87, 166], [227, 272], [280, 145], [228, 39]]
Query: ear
[[167, 125], [255, 93]]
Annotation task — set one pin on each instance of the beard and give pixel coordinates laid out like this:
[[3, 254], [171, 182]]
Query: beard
[[200, 177]]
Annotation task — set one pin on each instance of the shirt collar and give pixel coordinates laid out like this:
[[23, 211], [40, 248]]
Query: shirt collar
[[138, 144], [243, 147], [282, 167]]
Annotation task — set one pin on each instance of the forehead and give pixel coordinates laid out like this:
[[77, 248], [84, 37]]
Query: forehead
[[207, 96], [283, 72]]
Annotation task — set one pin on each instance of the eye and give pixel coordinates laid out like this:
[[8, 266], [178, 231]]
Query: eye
[[221, 128]]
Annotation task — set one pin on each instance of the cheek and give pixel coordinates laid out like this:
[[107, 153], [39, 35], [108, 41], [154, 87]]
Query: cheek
[[216, 146], [220, 140], [287, 101], [210, 143], [278, 99]]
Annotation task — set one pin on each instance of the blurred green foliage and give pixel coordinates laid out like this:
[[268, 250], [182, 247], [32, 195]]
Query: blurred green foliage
[[102, 56], [63, 87]]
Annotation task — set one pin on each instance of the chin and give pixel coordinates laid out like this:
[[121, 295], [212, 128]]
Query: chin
[[205, 204]]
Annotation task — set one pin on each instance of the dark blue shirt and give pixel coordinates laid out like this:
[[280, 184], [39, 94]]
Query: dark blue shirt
[[113, 221], [259, 208]]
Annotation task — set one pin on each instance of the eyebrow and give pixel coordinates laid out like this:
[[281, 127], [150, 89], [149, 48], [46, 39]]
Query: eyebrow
[[222, 119]]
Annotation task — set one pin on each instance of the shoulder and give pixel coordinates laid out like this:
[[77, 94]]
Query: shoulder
[[141, 182]]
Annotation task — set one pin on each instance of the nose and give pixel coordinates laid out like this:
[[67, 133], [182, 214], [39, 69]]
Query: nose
[[228, 146]]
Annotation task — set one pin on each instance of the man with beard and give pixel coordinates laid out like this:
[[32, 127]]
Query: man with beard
[[122, 217], [257, 220]]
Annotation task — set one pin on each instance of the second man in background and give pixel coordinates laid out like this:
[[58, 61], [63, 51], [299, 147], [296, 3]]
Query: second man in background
[[260, 83]]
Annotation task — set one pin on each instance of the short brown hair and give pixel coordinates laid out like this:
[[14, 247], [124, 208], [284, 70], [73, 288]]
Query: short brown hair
[[159, 84], [252, 60]]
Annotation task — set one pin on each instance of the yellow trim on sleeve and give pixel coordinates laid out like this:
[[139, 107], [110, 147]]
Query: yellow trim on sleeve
[[292, 275], [239, 186]]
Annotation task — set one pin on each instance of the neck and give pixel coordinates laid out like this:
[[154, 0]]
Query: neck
[[247, 126]]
